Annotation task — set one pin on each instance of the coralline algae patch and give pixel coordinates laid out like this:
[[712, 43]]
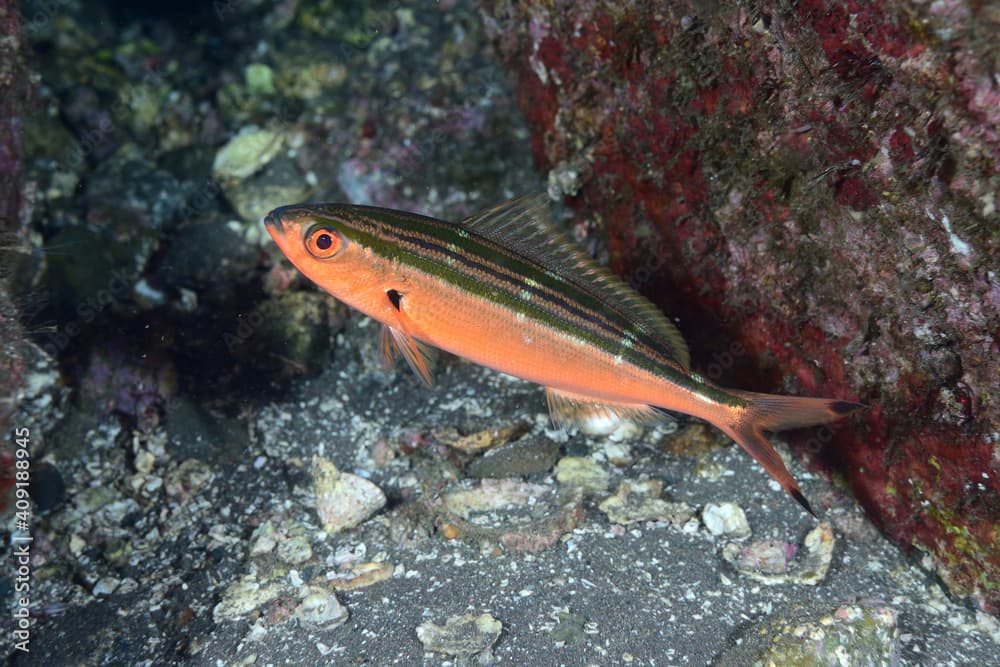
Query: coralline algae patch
[[811, 191]]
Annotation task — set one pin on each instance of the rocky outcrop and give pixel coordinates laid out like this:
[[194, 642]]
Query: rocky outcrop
[[12, 97], [811, 188]]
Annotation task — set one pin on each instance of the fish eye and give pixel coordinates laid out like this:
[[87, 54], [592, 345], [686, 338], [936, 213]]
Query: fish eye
[[323, 242]]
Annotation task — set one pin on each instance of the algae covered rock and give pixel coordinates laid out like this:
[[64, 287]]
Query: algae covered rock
[[636, 502], [14, 89], [465, 635], [56, 164], [860, 633], [277, 184], [580, 472], [247, 153], [255, 176], [811, 190]]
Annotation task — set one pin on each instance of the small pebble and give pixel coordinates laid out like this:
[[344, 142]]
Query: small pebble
[[464, 635], [640, 501], [481, 440], [725, 519], [362, 575], [616, 453], [343, 500], [105, 586], [294, 549], [524, 457], [491, 495], [582, 472], [188, 479], [242, 597], [772, 562], [246, 153], [321, 609], [263, 539], [144, 461]]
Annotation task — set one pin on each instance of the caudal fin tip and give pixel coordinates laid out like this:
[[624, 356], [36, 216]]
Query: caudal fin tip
[[801, 499], [844, 408]]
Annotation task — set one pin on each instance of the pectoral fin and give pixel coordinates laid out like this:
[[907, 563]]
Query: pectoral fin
[[394, 341]]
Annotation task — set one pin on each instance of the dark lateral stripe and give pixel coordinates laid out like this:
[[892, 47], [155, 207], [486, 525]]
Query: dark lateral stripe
[[487, 252], [485, 267], [514, 283], [478, 253], [474, 254]]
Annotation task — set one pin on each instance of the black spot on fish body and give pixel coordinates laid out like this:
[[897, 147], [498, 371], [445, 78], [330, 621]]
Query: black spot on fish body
[[395, 298]]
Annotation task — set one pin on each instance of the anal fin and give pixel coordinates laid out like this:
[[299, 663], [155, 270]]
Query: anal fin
[[569, 409]]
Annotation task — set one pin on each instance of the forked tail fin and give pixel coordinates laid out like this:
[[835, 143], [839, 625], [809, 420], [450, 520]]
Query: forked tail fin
[[767, 412]]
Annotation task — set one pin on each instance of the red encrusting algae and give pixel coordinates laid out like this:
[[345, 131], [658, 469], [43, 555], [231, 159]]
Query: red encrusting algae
[[817, 183]]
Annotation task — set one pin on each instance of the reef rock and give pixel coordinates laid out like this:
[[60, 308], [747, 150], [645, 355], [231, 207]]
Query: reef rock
[[811, 189], [13, 95]]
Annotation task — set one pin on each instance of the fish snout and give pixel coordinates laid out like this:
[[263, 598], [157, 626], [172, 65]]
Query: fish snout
[[273, 223]]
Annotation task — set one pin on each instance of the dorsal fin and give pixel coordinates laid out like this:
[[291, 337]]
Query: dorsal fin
[[525, 225]]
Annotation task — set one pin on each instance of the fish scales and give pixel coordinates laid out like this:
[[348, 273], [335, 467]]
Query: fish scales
[[494, 272]]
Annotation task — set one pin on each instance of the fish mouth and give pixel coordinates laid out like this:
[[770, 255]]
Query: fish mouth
[[273, 223]]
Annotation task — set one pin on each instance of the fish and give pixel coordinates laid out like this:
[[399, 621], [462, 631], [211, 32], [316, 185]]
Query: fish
[[507, 290]]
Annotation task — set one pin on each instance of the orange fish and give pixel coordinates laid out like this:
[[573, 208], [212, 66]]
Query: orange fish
[[506, 290]]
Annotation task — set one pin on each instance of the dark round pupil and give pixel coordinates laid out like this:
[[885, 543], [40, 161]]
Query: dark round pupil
[[323, 241]]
